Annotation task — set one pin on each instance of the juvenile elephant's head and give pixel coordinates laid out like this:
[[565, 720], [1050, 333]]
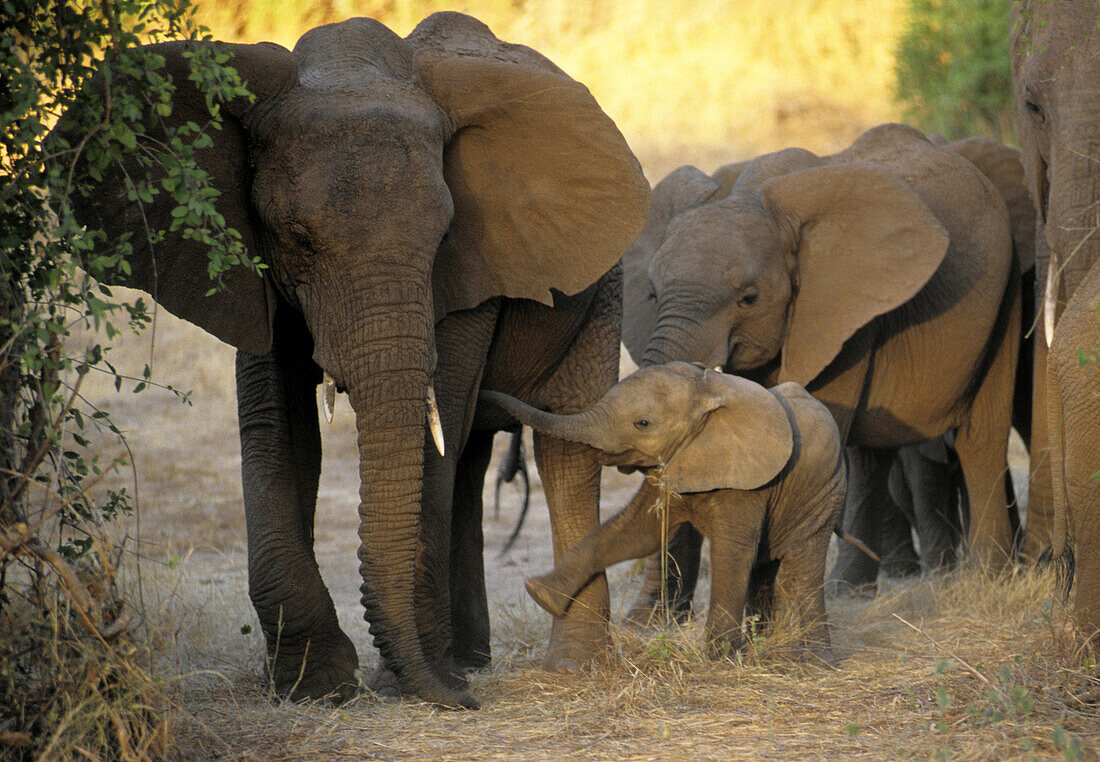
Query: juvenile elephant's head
[[1056, 87], [785, 256], [708, 430], [387, 182]]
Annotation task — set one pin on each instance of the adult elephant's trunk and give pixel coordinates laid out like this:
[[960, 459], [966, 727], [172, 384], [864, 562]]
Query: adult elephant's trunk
[[387, 377], [588, 427], [1073, 221]]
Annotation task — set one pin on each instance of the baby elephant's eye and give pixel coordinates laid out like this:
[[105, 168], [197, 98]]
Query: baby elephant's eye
[[641, 424], [748, 299]]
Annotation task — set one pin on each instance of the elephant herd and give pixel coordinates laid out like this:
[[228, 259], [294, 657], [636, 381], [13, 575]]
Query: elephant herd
[[443, 217]]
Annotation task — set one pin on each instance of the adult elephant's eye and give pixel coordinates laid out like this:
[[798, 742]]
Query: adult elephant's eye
[[641, 424], [748, 299], [1035, 109], [302, 239]]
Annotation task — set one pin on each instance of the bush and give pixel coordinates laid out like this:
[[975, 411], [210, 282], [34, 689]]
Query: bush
[[952, 72], [70, 683]]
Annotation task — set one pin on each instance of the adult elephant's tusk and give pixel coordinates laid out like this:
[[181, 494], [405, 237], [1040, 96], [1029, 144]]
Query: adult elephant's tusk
[[433, 421], [328, 395], [1049, 300]]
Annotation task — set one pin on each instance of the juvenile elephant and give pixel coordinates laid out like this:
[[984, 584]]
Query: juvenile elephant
[[1055, 68], [881, 278], [415, 200], [759, 471]]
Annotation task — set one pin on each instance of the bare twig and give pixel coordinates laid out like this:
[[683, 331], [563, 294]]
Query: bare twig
[[949, 652]]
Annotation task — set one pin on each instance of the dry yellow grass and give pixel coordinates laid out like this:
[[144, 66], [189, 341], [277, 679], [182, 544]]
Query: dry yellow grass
[[704, 82]]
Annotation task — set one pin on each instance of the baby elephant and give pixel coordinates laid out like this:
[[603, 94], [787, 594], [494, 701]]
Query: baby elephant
[[759, 471]]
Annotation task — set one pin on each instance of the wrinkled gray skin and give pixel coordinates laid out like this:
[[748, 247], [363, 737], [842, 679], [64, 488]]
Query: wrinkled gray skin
[[760, 472], [1055, 76], [806, 268], [397, 190]]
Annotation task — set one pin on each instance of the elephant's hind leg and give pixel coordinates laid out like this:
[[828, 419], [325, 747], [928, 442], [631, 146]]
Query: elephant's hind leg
[[309, 656], [982, 446]]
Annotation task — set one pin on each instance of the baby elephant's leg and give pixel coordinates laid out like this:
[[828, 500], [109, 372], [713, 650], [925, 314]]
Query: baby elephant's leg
[[800, 594], [633, 533], [734, 533]]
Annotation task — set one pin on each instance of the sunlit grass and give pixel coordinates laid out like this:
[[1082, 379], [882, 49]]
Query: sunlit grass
[[707, 81]]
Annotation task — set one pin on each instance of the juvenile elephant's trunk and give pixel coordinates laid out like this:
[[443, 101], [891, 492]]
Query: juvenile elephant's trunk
[[587, 427]]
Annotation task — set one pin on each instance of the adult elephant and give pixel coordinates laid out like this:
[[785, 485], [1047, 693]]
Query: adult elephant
[[415, 201], [881, 278], [1055, 70]]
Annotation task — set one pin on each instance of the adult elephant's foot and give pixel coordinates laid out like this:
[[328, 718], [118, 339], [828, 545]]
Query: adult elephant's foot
[[322, 670], [581, 636], [384, 682], [854, 573]]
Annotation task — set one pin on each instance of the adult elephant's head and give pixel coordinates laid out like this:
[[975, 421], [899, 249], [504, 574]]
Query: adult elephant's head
[[386, 182], [782, 257], [1056, 84]]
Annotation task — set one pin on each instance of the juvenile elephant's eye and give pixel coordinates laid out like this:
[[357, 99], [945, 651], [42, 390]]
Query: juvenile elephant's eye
[[641, 424], [748, 299]]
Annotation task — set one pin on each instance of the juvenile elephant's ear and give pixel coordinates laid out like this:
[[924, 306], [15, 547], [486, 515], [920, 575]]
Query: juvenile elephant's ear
[[1005, 169], [684, 188], [546, 192], [744, 443], [174, 271], [865, 243]]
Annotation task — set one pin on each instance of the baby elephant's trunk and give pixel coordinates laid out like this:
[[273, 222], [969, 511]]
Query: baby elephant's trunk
[[581, 427]]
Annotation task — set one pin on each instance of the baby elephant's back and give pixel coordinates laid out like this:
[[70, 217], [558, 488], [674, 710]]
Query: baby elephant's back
[[819, 456]]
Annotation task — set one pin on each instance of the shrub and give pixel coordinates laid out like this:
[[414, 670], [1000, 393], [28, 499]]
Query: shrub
[[69, 680], [952, 70]]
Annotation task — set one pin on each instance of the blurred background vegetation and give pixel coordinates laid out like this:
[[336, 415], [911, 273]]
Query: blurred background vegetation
[[711, 81]]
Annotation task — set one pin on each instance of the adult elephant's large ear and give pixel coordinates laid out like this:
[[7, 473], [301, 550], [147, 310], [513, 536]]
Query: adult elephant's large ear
[[546, 192], [174, 271], [682, 189], [744, 442], [865, 244]]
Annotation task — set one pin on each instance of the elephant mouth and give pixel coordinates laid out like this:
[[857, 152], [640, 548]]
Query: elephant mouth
[[630, 460], [747, 355]]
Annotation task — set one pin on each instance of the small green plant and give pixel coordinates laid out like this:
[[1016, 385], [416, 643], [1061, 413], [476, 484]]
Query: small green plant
[[1069, 744]]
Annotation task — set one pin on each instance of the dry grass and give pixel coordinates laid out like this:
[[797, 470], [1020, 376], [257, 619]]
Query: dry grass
[[705, 82], [897, 692]]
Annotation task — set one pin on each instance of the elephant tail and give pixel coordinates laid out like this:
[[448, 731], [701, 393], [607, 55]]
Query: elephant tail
[[514, 463], [855, 542]]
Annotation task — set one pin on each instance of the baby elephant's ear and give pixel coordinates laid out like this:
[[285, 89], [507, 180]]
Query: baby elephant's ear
[[744, 443]]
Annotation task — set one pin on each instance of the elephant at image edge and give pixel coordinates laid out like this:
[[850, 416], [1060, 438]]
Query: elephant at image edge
[[398, 191], [751, 269], [1055, 70], [760, 471]]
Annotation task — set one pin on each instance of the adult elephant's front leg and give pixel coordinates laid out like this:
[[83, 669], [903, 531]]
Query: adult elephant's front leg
[[571, 482], [308, 655]]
